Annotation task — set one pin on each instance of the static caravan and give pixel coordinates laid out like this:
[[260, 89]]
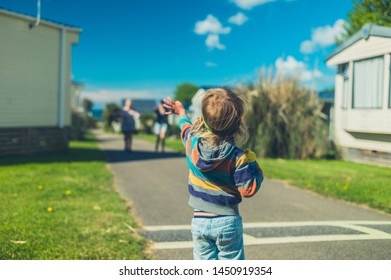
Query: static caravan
[[35, 83], [362, 118]]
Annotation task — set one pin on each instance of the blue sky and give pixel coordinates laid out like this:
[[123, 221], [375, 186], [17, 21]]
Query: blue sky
[[145, 48]]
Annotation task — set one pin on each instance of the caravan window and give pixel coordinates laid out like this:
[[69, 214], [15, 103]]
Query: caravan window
[[368, 75], [344, 71], [389, 86]]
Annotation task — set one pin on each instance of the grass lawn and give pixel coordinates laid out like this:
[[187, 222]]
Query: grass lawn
[[360, 183], [64, 206]]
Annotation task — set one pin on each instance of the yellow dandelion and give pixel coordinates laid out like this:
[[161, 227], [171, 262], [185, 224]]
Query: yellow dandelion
[[96, 207], [40, 187], [50, 209], [18, 241], [68, 192]]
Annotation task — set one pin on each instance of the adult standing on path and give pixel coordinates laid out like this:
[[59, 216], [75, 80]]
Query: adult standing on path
[[128, 124], [161, 126]]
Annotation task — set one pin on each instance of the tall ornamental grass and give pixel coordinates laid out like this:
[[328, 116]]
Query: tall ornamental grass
[[284, 119]]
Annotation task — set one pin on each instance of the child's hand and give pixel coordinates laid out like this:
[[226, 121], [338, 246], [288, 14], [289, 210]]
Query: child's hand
[[174, 107], [250, 155]]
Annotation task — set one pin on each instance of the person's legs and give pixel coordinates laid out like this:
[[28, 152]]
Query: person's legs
[[126, 140], [130, 141], [204, 244], [157, 142], [162, 137], [230, 238], [163, 143], [163, 132]]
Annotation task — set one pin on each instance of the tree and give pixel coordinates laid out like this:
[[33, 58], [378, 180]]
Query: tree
[[87, 105], [185, 92], [367, 11], [111, 114]]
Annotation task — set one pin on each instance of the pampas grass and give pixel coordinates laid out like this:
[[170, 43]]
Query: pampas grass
[[284, 118]]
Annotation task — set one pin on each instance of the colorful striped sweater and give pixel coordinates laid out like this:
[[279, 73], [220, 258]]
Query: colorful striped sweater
[[218, 178]]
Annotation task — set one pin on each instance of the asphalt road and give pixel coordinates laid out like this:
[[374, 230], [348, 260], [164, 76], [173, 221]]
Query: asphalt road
[[281, 222]]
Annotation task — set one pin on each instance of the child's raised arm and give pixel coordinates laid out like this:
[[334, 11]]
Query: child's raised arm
[[174, 107]]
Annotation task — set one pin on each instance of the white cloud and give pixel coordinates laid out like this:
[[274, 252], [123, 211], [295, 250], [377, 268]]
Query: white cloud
[[290, 65], [325, 36], [317, 73], [307, 75], [210, 64], [293, 67], [307, 47], [238, 19], [322, 37], [249, 4], [213, 41], [210, 25]]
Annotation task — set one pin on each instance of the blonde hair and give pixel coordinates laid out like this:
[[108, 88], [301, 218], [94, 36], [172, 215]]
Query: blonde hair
[[222, 118]]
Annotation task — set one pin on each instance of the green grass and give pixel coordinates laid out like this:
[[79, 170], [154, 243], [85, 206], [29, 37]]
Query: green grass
[[359, 183], [88, 219]]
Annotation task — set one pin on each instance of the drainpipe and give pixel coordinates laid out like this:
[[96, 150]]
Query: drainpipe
[[61, 84]]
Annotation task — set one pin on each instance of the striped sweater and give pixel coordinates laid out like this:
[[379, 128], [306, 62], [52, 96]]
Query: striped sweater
[[218, 178]]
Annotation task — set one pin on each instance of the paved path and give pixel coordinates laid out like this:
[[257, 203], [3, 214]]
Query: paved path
[[280, 222]]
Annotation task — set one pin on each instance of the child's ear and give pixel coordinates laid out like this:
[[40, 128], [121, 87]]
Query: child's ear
[[200, 118]]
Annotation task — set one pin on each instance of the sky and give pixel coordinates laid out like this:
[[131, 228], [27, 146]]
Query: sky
[[145, 48]]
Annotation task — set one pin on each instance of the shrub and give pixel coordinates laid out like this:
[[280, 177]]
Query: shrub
[[174, 131], [147, 120], [81, 123], [111, 114], [284, 119], [184, 92]]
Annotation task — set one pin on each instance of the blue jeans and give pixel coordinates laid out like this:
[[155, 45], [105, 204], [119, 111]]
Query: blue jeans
[[219, 238]]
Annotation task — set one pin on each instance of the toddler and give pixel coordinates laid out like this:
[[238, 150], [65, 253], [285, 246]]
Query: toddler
[[220, 173]]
